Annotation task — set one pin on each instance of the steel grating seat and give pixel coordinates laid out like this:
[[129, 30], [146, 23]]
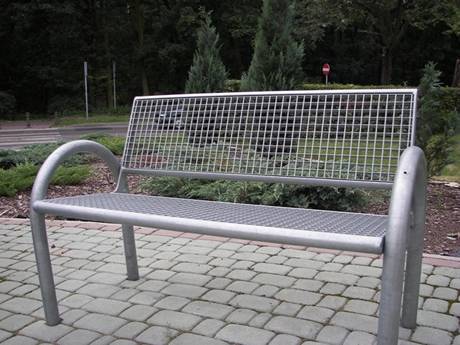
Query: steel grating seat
[[354, 231]]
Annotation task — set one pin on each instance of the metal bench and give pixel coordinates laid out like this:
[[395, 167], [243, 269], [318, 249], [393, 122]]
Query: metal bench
[[345, 138]]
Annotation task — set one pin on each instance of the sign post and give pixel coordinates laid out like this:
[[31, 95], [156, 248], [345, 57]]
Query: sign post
[[114, 75], [326, 70], [85, 72]]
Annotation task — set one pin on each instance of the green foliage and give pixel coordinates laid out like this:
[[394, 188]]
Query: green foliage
[[437, 123], [16, 179], [452, 169], [232, 85], [34, 154], [207, 73], [72, 175], [255, 193], [277, 60], [22, 177], [115, 144], [7, 105]]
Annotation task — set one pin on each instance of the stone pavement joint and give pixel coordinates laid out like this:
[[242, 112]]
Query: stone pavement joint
[[207, 290]]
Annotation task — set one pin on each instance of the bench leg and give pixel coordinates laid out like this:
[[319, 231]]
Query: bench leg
[[392, 286], [45, 272], [130, 252], [413, 272]]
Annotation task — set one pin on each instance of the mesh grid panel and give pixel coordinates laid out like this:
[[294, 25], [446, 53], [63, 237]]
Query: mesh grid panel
[[348, 135], [267, 216]]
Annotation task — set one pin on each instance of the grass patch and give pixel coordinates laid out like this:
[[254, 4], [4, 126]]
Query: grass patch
[[113, 143]]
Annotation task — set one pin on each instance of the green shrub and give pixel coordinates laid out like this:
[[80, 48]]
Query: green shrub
[[17, 179], [7, 105], [35, 154], [113, 143], [22, 177], [70, 175], [256, 193]]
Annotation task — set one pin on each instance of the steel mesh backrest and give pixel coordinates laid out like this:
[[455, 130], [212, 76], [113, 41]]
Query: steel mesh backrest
[[345, 135]]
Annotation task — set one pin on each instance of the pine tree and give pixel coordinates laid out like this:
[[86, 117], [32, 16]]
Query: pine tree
[[207, 73], [277, 60]]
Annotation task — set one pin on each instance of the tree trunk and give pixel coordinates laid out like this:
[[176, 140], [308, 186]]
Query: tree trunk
[[456, 78], [387, 66]]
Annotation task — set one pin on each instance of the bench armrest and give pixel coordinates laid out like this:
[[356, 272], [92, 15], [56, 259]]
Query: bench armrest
[[53, 161]]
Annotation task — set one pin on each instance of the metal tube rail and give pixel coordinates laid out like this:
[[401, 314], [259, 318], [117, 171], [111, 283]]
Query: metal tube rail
[[407, 204], [37, 220]]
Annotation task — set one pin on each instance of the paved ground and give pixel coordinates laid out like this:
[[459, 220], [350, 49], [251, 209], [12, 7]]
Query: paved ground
[[207, 291]]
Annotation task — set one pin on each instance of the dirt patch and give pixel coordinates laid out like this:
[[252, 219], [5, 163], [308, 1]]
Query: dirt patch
[[442, 235]]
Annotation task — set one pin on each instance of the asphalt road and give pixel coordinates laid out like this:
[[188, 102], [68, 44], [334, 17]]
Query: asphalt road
[[17, 138]]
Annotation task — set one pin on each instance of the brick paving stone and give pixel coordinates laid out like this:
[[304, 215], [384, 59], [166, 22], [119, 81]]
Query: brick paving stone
[[437, 305], [332, 335], [130, 330], [361, 307], [174, 319], [437, 320], [332, 267], [271, 268], [4, 335], [123, 342], [306, 273], [317, 314], [359, 338], [248, 248], [146, 298], [20, 340], [337, 277], [447, 271], [7, 286], [184, 290], [71, 285], [124, 294], [241, 316], [455, 309], [222, 262], [219, 272], [162, 264], [221, 253], [298, 296], [106, 306], [79, 337], [343, 259], [190, 267], [266, 291], [276, 259], [427, 335], [98, 290], [101, 323], [195, 258], [285, 339], [192, 249], [208, 309], [261, 304], [304, 263], [209, 327], [359, 293], [245, 335], [190, 278], [332, 289], [248, 256], [172, 302], [308, 284], [221, 296], [445, 293], [104, 340], [15, 322], [138, 312], [72, 315], [260, 320], [21, 305], [288, 309], [438, 280], [76, 300], [242, 287], [218, 283], [241, 274], [273, 279], [426, 290], [156, 335], [189, 339], [356, 322], [242, 265], [332, 302], [363, 270], [39, 330], [455, 284], [456, 340], [301, 328]]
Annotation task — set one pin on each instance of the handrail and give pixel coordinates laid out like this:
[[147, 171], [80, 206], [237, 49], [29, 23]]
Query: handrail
[[53, 161]]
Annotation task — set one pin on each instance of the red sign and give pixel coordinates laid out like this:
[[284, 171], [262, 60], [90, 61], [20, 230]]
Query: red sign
[[326, 69]]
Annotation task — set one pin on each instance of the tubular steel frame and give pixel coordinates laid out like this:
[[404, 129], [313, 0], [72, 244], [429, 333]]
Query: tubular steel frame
[[406, 221]]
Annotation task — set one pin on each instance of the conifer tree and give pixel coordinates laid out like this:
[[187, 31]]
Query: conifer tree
[[277, 60], [207, 73]]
